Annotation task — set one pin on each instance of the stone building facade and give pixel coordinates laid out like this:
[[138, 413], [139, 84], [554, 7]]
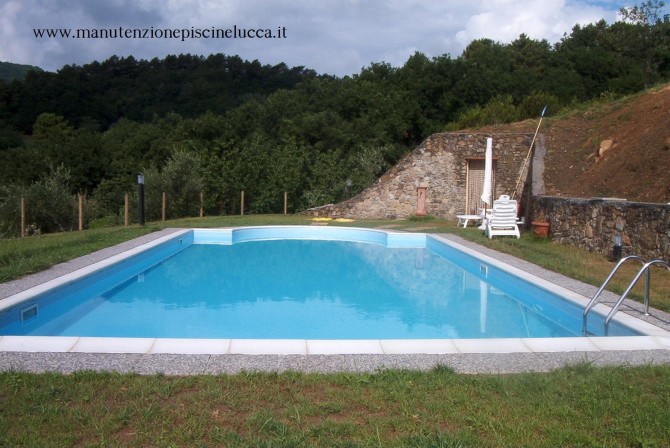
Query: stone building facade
[[444, 164]]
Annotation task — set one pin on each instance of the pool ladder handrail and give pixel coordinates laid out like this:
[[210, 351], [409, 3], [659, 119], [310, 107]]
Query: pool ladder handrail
[[592, 302], [615, 308]]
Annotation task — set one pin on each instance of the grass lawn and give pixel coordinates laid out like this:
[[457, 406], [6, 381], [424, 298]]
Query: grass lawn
[[578, 405]]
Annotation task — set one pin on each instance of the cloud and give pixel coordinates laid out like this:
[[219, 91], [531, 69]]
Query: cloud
[[505, 20], [331, 36]]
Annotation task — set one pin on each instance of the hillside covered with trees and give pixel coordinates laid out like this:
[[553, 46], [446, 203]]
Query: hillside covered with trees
[[219, 124], [9, 71]]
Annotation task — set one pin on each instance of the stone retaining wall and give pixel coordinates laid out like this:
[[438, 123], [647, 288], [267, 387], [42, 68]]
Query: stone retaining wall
[[440, 164], [592, 224]]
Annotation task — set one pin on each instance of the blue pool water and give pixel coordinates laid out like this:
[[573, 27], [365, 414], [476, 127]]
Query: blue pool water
[[262, 286]]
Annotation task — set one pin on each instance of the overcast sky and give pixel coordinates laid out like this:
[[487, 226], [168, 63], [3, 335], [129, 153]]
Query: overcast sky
[[337, 37]]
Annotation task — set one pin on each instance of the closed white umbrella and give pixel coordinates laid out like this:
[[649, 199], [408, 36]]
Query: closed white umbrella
[[488, 172], [488, 176]]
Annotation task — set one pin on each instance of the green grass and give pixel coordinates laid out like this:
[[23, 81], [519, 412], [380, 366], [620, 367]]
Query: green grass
[[574, 406], [19, 257]]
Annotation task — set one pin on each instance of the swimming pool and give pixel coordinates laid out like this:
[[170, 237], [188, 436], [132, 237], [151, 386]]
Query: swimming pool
[[424, 278]]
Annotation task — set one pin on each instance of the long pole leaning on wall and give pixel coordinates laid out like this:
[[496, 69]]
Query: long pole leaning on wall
[[528, 156], [528, 183]]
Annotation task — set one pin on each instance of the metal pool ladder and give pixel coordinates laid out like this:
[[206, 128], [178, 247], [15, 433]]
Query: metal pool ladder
[[615, 308]]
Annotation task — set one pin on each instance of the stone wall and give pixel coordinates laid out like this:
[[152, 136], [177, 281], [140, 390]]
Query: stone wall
[[440, 164], [592, 224]]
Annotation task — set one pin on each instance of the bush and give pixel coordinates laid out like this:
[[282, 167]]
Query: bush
[[533, 104], [499, 110], [10, 210], [49, 205], [181, 180]]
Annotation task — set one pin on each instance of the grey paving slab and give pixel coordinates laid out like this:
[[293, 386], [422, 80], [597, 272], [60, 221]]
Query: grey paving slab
[[630, 357], [375, 363], [171, 364], [468, 363], [318, 363], [233, 364], [502, 363], [71, 362]]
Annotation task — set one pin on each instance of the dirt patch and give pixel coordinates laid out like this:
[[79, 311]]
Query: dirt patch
[[636, 166]]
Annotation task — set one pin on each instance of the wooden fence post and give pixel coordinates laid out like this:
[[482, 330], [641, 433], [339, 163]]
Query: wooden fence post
[[163, 207], [23, 217], [242, 204], [81, 212], [286, 202], [125, 210]]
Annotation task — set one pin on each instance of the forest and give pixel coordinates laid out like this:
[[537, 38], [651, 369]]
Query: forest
[[220, 124], [9, 72]]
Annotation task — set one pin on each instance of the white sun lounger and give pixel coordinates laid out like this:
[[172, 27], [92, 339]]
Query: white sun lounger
[[503, 219]]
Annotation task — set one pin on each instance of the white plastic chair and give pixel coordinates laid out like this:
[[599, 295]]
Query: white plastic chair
[[503, 219]]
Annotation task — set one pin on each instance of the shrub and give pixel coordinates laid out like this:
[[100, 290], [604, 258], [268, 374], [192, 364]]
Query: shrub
[[50, 207], [181, 180], [533, 104], [499, 110]]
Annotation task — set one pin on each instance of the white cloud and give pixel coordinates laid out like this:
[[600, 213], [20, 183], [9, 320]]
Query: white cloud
[[505, 20], [331, 36]]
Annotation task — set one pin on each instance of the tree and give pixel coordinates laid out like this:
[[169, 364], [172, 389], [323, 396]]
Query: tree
[[80, 151], [181, 179], [651, 37], [9, 138], [50, 207], [530, 61], [51, 128], [484, 71], [592, 54], [647, 13]]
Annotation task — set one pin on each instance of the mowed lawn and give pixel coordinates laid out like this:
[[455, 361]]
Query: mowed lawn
[[576, 406]]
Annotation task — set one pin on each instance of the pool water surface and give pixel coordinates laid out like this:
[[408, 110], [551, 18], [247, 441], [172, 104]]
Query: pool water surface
[[301, 283]]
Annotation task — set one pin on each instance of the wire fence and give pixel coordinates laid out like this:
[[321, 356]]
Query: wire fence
[[39, 215]]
